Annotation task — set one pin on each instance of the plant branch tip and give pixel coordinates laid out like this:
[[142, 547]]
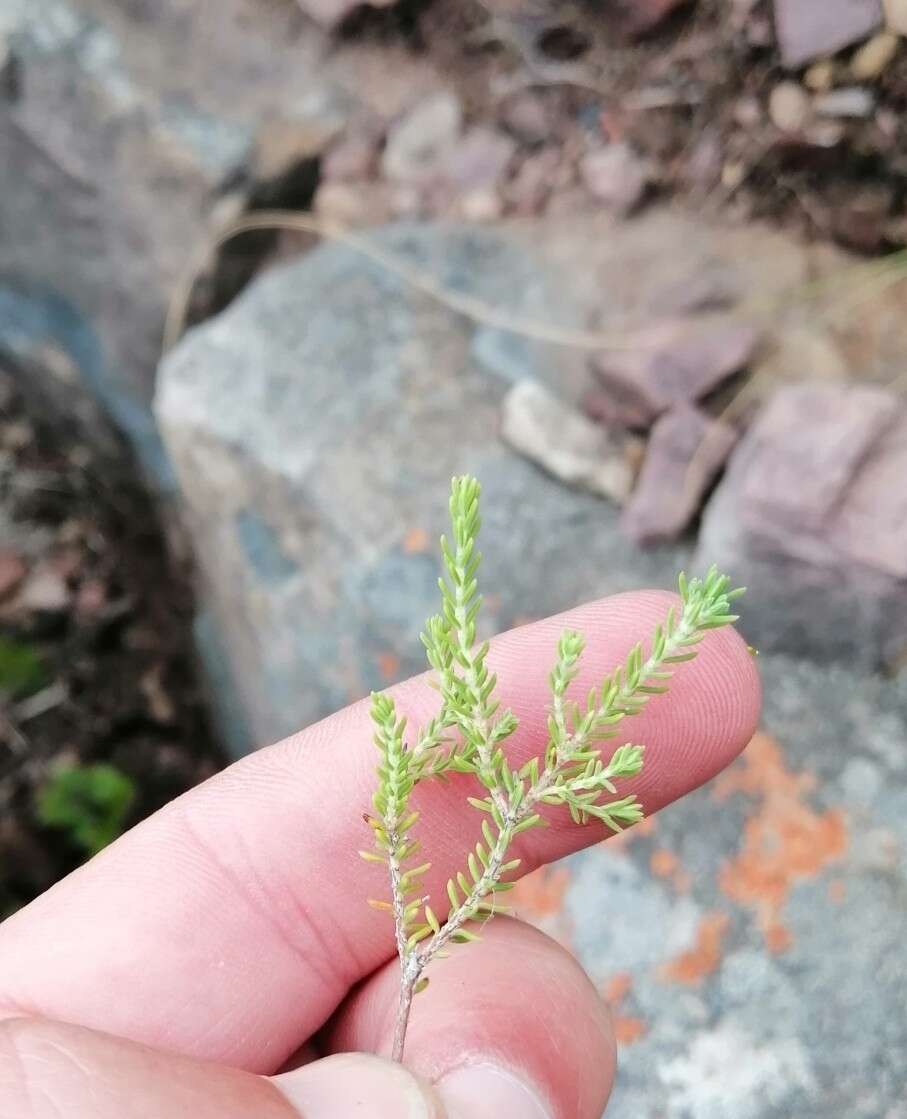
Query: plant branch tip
[[468, 734]]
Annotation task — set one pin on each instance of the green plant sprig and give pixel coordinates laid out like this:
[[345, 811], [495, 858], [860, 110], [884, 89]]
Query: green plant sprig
[[467, 736]]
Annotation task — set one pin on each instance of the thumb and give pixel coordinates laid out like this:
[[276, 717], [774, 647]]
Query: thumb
[[360, 1085], [48, 1069]]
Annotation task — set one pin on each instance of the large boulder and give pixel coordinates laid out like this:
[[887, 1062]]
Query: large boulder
[[750, 937], [314, 428], [812, 516]]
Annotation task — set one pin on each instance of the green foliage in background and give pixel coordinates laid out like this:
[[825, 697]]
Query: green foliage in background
[[22, 671], [90, 803]]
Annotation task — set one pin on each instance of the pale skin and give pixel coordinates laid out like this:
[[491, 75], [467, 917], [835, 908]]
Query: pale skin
[[227, 938]]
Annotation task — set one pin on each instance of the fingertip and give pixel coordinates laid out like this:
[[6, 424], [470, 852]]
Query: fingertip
[[487, 1091], [352, 1085], [509, 1026], [709, 714]]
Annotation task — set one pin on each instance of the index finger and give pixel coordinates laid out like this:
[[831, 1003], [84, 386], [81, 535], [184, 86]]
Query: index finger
[[230, 925]]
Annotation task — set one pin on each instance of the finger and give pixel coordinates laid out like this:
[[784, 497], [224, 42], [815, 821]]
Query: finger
[[510, 1026], [231, 924], [48, 1070]]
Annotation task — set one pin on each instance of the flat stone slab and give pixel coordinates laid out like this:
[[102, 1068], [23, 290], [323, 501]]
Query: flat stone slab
[[812, 516], [750, 938], [669, 364], [684, 454]]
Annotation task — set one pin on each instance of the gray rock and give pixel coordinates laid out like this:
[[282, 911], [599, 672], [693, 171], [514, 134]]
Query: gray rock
[[851, 101], [807, 30], [685, 452], [314, 439], [736, 1003], [812, 516], [565, 443], [315, 423], [712, 286], [676, 361]]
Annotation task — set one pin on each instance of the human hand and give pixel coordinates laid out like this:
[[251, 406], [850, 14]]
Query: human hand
[[227, 937]]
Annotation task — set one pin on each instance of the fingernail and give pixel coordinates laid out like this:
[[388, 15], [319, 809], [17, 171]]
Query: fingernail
[[355, 1085], [489, 1092]]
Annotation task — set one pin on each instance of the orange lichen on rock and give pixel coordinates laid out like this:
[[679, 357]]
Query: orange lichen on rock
[[540, 894], [388, 665], [665, 864], [617, 988], [416, 541], [539, 899], [778, 937], [703, 958], [784, 840], [646, 826], [627, 1029]]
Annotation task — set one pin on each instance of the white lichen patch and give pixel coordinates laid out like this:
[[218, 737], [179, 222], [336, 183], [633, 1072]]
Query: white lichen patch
[[727, 1074]]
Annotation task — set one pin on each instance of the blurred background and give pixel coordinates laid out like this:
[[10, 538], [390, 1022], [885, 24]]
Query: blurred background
[[272, 270]]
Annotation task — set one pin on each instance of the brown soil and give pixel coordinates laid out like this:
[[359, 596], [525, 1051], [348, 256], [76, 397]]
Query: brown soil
[[109, 616]]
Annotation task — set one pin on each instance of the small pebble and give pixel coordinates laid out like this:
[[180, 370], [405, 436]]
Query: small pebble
[[789, 107], [896, 15], [481, 204], [825, 133], [852, 101], [527, 118], [418, 143], [44, 591], [820, 77], [732, 174], [616, 176], [748, 112], [873, 58]]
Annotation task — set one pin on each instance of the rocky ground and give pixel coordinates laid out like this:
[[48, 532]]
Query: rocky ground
[[562, 107], [645, 281], [757, 969]]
